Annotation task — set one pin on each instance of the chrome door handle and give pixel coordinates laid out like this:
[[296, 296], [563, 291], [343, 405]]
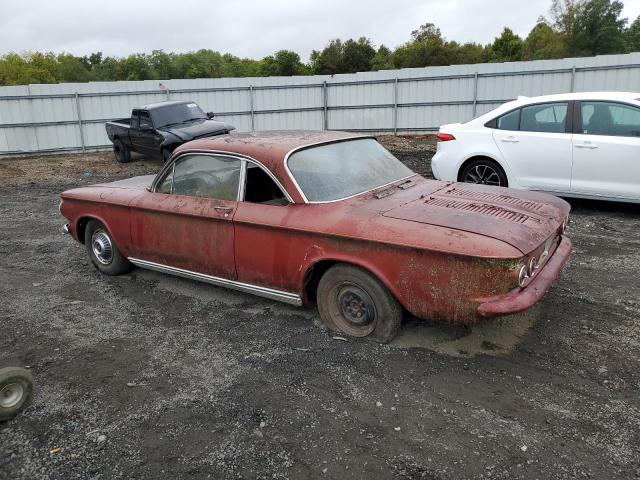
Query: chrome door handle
[[509, 140], [586, 145], [225, 210]]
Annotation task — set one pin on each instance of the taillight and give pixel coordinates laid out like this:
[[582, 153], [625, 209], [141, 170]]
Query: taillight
[[445, 137]]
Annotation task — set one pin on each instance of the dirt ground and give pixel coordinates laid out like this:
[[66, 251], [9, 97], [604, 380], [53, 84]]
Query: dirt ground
[[151, 376]]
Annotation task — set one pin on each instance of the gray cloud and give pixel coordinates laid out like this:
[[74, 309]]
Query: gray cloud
[[251, 28]]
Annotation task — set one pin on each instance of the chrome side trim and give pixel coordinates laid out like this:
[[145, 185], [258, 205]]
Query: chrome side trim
[[286, 297]]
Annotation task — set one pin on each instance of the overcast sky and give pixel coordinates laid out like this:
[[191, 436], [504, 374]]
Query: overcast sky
[[252, 28]]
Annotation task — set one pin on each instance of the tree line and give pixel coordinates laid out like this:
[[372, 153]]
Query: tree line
[[575, 28]]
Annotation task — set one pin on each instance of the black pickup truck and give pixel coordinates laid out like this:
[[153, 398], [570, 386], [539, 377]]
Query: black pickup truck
[[157, 129]]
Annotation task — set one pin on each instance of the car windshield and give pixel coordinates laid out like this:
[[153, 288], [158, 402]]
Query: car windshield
[[343, 169], [179, 113]]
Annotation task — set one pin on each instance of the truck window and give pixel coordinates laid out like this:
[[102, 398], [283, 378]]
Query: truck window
[[145, 121], [135, 120]]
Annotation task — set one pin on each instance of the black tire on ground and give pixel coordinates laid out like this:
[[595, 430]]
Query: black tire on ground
[[121, 151], [484, 171], [16, 388], [166, 155], [353, 302], [103, 252]]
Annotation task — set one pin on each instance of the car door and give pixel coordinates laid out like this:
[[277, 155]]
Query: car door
[[606, 150], [535, 141], [186, 220], [262, 220]]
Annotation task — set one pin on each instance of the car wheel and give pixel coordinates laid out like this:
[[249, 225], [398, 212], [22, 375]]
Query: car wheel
[[121, 151], [16, 388], [485, 172], [353, 302], [103, 251], [166, 155]]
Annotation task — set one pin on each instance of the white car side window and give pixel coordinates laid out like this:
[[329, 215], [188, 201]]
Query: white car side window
[[610, 118]]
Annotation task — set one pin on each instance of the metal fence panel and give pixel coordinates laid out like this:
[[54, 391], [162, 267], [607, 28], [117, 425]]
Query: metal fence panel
[[67, 117]]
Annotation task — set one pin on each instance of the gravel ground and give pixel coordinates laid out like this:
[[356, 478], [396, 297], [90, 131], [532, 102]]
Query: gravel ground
[[151, 376]]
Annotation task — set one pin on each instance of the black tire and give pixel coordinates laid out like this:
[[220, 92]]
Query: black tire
[[484, 171], [353, 302], [16, 389], [166, 155], [103, 251], [121, 151]]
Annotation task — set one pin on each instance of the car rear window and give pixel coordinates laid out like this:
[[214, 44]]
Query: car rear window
[[339, 170]]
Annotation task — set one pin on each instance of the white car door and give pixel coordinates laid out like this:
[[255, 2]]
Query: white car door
[[536, 143], [606, 152]]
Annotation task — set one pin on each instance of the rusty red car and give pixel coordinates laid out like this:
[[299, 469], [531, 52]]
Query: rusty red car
[[332, 219]]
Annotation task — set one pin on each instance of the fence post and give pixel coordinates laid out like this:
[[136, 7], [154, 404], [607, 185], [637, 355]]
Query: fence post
[[573, 78], [168, 94], [253, 125], [80, 122], [395, 106], [325, 117], [475, 93]]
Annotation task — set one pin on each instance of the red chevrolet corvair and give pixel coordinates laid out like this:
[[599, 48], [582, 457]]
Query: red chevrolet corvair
[[331, 218]]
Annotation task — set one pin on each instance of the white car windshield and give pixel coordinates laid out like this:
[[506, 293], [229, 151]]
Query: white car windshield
[[343, 169]]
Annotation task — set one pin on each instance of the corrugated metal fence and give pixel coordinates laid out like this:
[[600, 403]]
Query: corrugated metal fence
[[71, 117]]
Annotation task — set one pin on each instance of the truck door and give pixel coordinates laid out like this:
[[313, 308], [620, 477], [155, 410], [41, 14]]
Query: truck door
[[143, 135]]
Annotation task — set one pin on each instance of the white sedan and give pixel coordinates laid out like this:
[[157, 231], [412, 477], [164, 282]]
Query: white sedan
[[574, 145]]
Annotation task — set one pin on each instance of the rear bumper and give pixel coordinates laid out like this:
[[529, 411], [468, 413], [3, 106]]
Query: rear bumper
[[520, 299]]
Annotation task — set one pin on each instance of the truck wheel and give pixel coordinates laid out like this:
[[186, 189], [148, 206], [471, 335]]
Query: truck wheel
[[121, 151], [103, 251], [16, 388], [353, 302]]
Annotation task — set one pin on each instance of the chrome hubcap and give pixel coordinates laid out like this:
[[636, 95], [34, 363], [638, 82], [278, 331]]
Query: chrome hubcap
[[102, 247], [483, 174], [356, 306], [11, 395]]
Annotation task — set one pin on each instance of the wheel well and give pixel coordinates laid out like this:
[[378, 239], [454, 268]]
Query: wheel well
[[472, 159], [82, 226], [313, 276]]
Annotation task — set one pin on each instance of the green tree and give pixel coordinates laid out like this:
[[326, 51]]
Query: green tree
[[382, 60], [328, 61], [508, 47], [357, 55], [284, 63], [543, 42], [73, 69], [427, 47], [632, 36], [590, 27]]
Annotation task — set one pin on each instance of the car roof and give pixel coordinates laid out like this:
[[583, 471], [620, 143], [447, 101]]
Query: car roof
[[581, 96], [270, 148], [153, 106]]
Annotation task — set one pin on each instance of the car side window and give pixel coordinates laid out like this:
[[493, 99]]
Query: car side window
[[260, 188], [610, 118], [135, 120], [145, 121], [165, 185], [509, 121], [546, 117], [207, 176]]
